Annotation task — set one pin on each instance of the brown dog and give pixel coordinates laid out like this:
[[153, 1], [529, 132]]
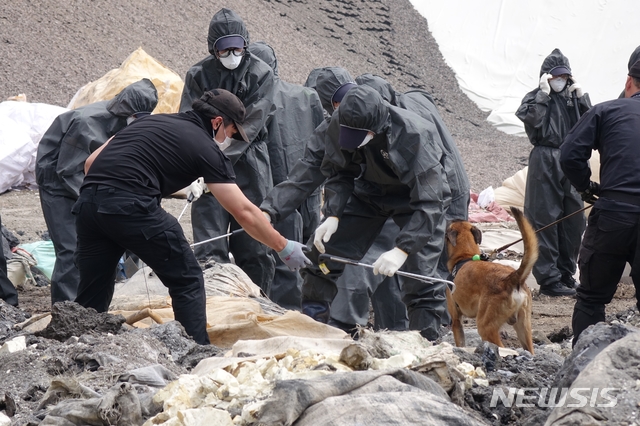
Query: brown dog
[[489, 292]]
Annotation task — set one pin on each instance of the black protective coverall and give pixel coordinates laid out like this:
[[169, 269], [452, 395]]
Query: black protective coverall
[[356, 286], [549, 195], [421, 103], [62, 151], [252, 82], [351, 304], [298, 112], [611, 239], [399, 175]]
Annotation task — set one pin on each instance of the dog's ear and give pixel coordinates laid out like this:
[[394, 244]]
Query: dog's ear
[[452, 235], [477, 235]]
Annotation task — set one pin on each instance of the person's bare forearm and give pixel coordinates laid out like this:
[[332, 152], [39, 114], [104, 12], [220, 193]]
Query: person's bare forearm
[[248, 215], [256, 225]]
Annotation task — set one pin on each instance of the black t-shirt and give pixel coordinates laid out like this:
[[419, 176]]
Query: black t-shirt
[[160, 154]]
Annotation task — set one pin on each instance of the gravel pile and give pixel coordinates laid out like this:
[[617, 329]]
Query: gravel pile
[[51, 49]]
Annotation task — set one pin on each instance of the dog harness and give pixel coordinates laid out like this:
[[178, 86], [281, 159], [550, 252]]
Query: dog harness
[[457, 266]]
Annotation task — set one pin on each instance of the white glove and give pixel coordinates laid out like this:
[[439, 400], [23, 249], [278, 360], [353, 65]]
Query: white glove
[[324, 232], [389, 262], [196, 189], [577, 87], [544, 83]]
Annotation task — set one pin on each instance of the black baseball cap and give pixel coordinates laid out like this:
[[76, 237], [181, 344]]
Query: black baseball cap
[[559, 70], [233, 41], [350, 137], [634, 71], [225, 102], [341, 91]]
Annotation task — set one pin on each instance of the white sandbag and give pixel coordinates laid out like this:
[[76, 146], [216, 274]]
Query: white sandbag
[[511, 193], [22, 125], [16, 153]]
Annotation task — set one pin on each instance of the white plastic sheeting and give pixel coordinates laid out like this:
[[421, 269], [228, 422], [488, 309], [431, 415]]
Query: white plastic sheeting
[[496, 47], [22, 125]]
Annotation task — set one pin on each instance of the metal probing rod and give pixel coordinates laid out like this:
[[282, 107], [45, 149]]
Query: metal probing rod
[[402, 273]]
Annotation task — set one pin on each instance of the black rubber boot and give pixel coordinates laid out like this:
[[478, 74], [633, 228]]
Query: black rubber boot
[[556, 289], [569, 282]]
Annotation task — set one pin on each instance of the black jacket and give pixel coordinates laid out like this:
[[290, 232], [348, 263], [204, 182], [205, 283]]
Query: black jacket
[[612, 128]]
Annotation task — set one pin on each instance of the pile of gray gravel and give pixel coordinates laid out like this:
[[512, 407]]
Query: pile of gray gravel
[[51, 49]]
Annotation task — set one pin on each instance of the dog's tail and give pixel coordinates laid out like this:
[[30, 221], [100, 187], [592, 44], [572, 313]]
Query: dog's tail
[[530, 242]]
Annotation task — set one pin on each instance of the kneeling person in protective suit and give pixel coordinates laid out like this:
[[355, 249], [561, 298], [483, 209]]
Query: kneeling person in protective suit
[[119, 204], [383, 162]]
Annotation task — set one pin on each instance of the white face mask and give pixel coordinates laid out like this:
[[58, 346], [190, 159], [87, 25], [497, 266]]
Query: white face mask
[[231, 62], [227, 140], [224, 145], [366, 139], [557, 84]]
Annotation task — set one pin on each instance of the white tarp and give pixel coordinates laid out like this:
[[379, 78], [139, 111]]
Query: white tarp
[[22, 125], [496, 47]]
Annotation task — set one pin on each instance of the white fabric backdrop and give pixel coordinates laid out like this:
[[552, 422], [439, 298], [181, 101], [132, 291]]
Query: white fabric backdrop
[[496, 47]]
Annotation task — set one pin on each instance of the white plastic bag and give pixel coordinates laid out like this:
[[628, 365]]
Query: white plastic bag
[[486, 197], [22, 125]]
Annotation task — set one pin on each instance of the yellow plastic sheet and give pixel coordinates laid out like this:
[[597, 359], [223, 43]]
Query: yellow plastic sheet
[[137, 66]]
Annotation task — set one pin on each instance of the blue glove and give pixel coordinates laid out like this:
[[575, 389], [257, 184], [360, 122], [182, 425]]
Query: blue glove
[[293, 256]]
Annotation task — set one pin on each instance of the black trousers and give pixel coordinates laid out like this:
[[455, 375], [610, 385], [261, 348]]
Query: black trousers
[[609, 243], [8, 292], [110, 221]]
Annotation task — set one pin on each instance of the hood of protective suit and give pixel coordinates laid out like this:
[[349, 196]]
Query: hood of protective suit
[[140, 96], [555, 59], [363, 108], [225, 22], [329, 80], [266, 53], [635, 56], [381, 86], [312, 80]]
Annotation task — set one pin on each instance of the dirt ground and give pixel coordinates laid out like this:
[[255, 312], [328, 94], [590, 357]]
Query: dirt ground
[[22, 214]]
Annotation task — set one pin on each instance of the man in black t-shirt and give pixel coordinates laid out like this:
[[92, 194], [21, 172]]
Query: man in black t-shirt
[[119, 204]]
